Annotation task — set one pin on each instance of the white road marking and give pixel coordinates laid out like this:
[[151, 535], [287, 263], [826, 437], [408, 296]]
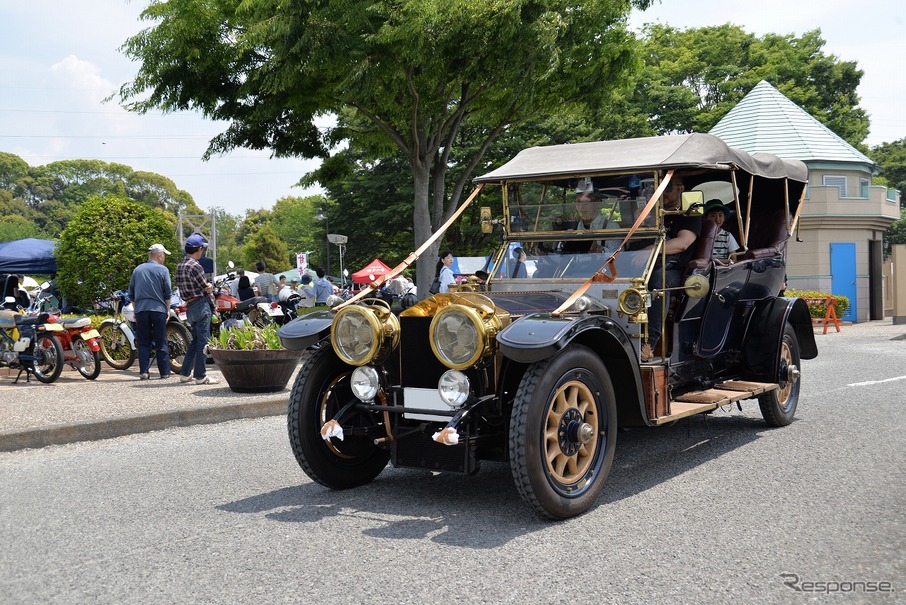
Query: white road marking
[[862, 384]]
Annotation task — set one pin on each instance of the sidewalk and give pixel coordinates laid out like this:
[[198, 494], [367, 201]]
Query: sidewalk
[[117, 403]]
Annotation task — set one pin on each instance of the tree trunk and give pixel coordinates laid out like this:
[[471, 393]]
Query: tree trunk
[[422, 230]]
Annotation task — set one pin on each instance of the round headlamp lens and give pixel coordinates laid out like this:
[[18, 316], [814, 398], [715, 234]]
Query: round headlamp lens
[[354, 334], [456, 337], [453, 387], [364, 383]]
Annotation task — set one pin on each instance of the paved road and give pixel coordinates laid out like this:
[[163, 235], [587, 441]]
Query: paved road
[[708, 510]]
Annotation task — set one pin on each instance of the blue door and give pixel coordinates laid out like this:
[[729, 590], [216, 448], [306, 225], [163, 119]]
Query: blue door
[[843, 275]]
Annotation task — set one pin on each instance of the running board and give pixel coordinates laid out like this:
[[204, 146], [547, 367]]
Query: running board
[[698, 402]]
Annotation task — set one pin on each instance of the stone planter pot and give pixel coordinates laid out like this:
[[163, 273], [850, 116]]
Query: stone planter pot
[[256, 371]]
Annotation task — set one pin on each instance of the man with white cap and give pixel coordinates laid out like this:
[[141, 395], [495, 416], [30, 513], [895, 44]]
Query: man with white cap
[[149, 290]]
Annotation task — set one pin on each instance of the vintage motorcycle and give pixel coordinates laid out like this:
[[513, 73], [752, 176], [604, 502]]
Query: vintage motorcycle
[[117, 340], [79, 341], [27, 343]]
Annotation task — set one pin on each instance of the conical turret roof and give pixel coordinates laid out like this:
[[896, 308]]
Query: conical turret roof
[[765, 120]]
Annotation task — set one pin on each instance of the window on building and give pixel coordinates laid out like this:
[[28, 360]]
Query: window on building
[[863, 187], [836, 181]]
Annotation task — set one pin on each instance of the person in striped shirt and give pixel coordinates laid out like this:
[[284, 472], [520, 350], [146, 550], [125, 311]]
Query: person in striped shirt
[[725, 245]]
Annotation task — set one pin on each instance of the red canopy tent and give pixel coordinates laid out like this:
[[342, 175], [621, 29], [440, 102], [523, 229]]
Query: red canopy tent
[[375, 268]]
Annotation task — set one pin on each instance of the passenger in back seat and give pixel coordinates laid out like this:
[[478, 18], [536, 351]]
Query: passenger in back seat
[[725, 245]]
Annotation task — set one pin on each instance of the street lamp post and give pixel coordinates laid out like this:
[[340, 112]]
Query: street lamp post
[[323, 217]]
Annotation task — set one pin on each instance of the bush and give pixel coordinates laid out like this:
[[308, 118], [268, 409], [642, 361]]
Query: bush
[[841, 303], [106, 239]]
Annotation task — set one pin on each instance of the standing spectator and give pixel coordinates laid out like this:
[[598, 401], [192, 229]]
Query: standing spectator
[[234, 285], [282, 283], [199, 296], [444, 273], [294, 284], [323, 288], [149, 290], [264, 281]]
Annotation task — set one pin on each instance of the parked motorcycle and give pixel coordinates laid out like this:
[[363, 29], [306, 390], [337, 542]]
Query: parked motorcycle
[[79, 341], [117, 340], [27, 343]]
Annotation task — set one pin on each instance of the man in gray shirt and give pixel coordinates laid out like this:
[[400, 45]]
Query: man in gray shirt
[[149, 290]]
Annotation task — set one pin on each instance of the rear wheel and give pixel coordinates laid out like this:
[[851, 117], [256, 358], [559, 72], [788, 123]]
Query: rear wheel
[[320, 391], [563, 433], [48, 359], [178, 339], [778, 407], [115, 347], [87, 362]]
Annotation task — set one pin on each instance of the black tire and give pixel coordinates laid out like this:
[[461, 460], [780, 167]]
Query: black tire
[[779, 407], [559, 402], [87, 362], [115, 347], [320, 391], [48, 358], [178, 340]]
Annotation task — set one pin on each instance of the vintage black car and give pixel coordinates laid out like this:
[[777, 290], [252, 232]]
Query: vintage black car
[[540, 365]]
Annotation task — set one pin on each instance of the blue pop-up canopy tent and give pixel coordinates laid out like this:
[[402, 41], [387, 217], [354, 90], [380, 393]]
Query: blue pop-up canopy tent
[[28, 256]]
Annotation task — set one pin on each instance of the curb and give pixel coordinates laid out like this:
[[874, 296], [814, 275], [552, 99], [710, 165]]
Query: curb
[[95, 430]]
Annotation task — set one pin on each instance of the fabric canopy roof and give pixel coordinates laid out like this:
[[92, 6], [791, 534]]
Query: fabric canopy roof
[[375, 268], [28, 256]]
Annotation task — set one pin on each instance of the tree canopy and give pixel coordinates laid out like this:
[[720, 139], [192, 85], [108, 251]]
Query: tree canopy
[[414, 71], [49, 196], [693, 77]]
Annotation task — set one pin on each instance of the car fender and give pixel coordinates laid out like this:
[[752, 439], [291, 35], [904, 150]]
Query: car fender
[[536, 337], [307, 330], [764, 333]]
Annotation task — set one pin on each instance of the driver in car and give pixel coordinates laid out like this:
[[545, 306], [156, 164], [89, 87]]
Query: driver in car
[[682, 232]]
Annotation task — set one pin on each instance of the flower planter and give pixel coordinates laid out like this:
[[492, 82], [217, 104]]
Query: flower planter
[[259, 371]]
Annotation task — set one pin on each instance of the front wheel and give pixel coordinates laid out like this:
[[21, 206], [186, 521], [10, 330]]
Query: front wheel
[[116, 349], [778, 407], [48, 361], [178, 339], [563, 433], [87, 362], [320, 391]]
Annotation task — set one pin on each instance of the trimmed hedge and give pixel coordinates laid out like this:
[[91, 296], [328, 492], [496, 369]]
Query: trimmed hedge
[[841, 303]]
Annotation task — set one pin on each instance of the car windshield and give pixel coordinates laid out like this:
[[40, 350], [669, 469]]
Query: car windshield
[[541, 262]]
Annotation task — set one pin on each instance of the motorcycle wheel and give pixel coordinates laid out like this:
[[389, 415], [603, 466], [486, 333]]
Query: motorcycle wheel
[[178, 339], [115, 347], [87, 362], [48, 361]]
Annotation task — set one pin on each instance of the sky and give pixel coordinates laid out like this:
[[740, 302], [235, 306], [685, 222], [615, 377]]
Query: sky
[[59, 60]]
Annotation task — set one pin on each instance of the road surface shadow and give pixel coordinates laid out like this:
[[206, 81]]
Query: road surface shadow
[[484, 510]]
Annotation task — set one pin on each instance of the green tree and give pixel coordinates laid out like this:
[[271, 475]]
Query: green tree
[[17, 227], [415, 71], [228, 246], [293, 218], [693, 77], [103, 243], [265, 245], [891, 157]]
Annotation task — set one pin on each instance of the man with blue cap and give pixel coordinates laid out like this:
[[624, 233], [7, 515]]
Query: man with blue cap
[[198, 293]]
